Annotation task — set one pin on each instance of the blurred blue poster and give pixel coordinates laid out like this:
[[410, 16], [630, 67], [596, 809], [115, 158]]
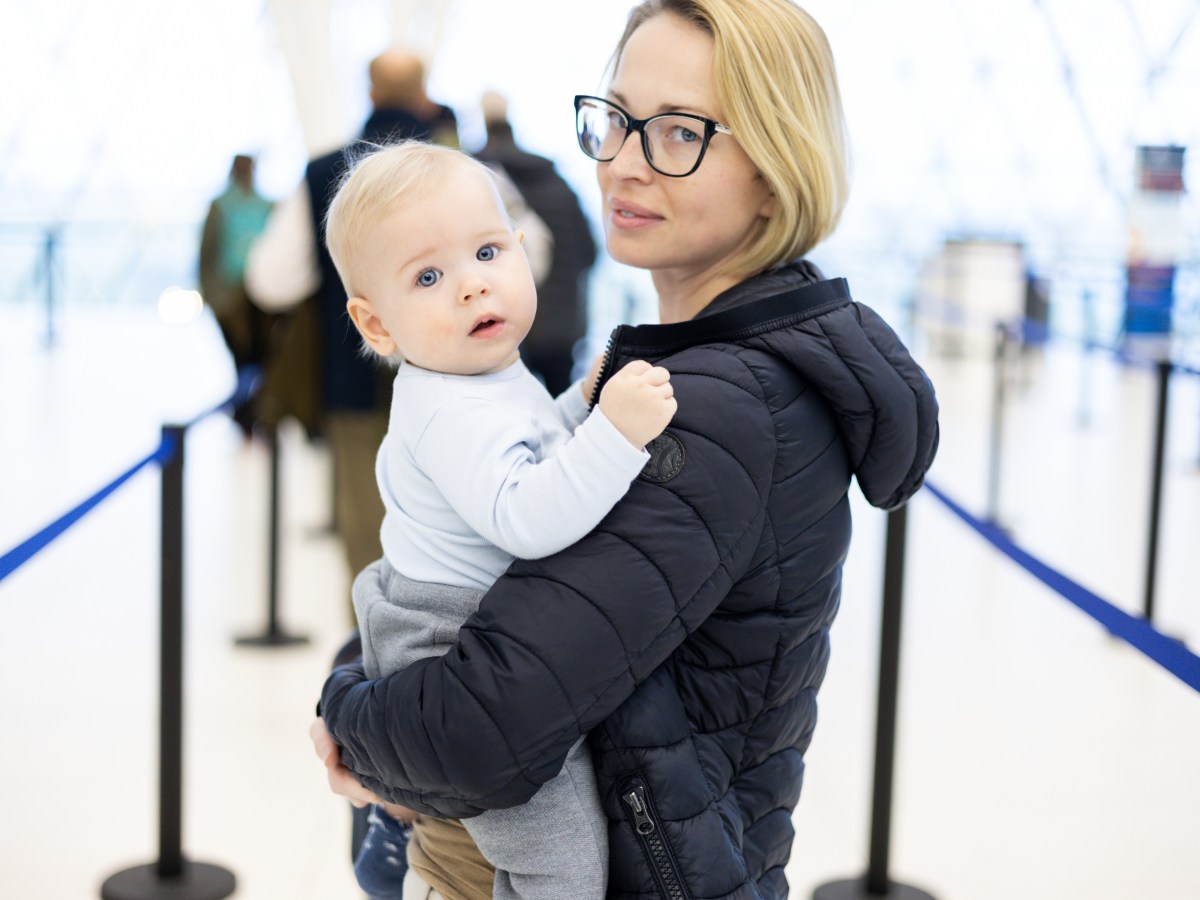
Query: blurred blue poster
[[1155, 241]]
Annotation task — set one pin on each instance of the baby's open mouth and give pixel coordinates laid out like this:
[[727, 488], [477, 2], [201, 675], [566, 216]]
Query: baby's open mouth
[[484, 325]]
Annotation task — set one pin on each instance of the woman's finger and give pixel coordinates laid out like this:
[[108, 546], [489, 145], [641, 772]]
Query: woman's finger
[[323, 743], [344, 784]]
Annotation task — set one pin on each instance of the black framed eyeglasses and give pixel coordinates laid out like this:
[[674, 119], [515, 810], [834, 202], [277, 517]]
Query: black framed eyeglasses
[[674, 143]]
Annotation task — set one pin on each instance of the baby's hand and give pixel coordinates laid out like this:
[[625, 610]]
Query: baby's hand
[[639, 401]]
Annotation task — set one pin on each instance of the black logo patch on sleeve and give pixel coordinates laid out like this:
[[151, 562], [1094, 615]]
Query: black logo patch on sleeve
[[666, 459]]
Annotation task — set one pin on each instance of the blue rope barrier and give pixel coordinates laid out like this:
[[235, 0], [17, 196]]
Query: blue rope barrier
[[1032, 331], [248, 382], [249, 379], [1035, 332], [1167, 652], [23, 552]]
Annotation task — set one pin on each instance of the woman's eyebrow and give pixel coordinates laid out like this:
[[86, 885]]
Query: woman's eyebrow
[[665, 107]]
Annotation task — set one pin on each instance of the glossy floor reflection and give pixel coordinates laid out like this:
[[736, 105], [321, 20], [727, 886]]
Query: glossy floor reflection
[[1037, 757]]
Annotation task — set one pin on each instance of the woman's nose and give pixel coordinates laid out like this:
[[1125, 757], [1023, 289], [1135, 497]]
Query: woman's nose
[[630, 161]]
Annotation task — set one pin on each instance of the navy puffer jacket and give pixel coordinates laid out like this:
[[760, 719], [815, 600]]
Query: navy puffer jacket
[[689, 632]]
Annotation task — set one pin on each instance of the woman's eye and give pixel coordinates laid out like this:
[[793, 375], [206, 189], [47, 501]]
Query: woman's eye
[[486, 253], [429, 278], [683, 135]]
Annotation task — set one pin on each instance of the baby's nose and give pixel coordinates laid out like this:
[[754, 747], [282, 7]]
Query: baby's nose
[[472, 288]]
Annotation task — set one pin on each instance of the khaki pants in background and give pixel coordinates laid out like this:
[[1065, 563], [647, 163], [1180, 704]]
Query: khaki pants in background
[[354, 439]]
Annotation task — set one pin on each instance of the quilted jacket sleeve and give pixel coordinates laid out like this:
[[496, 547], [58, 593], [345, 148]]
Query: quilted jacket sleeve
[[559, 643]]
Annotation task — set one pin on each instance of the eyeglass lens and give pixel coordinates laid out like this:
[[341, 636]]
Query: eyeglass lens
[[673, 143]]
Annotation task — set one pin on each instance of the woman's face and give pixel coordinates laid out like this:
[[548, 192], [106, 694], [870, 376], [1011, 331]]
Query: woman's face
[[685, 230]]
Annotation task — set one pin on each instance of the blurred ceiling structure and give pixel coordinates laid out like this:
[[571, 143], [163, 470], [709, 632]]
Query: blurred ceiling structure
[[1017, 121]]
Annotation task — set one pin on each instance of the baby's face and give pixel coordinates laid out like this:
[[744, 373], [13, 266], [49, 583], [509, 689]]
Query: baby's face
[[449, 279]]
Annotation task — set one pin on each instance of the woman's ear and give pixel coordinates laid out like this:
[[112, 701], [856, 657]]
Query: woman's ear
[[370, 326], [767, 210], [520, 235]]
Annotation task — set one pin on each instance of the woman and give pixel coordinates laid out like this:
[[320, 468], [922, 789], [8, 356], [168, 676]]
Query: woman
[[689, 633]]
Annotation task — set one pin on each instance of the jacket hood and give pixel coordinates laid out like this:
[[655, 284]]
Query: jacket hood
[[883, 402]]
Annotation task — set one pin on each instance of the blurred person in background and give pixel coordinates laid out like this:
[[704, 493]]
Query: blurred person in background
[[563, 294], [689, 633], [235, 218], [443, 122]]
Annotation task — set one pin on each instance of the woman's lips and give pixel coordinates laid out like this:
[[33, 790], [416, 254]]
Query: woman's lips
[[629, 215]]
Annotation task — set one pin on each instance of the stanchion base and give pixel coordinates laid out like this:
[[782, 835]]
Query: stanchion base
[[271, 639], [197, 881], [1000, 526], [856, 889]]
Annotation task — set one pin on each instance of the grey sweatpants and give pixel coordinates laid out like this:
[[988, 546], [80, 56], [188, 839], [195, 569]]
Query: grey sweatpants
[[556, 845]]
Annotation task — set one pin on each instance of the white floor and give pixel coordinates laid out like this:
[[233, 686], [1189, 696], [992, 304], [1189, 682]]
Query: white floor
[[1037, 758]]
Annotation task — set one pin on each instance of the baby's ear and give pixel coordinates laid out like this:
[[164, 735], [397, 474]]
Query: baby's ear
[[370, 326]]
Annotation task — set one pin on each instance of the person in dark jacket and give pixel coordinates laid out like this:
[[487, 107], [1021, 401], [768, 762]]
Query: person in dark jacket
[[563, 295], [687, 635]]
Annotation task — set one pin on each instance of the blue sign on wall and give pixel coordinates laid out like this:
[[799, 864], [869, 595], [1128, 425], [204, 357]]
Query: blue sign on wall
[[1154, 233], [1149, 299]]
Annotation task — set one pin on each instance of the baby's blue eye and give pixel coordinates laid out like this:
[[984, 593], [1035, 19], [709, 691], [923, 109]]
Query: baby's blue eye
[[429, 278], [486, 253]]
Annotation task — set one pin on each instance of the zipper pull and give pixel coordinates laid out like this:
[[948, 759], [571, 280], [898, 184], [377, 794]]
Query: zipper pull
[[636, 801]]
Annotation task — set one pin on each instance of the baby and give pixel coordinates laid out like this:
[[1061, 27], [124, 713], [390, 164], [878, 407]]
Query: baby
[[480, 465]]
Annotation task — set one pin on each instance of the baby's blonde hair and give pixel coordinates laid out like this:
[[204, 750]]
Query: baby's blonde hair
[[376, 182], [775, 80]]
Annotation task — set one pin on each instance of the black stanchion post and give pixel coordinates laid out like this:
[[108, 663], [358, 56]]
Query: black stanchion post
[[876, 882], [274, 636], [172, 877], [170, 727], [1156, 481], [996, 440]]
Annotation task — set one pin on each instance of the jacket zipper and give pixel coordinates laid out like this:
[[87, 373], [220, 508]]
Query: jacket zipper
[[610, 353], [662, 865]]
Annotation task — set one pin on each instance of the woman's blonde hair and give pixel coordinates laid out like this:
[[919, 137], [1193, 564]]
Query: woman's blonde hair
[[378, 179], [775, 80]]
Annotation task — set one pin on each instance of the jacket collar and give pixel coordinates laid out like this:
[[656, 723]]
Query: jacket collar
[[739, 314], [787, 277]]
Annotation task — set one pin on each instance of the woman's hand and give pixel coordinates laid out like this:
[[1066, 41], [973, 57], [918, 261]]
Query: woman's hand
[[344, 784]]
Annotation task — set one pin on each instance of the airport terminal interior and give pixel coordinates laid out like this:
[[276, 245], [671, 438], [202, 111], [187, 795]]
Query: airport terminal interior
[[1017, 173]]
